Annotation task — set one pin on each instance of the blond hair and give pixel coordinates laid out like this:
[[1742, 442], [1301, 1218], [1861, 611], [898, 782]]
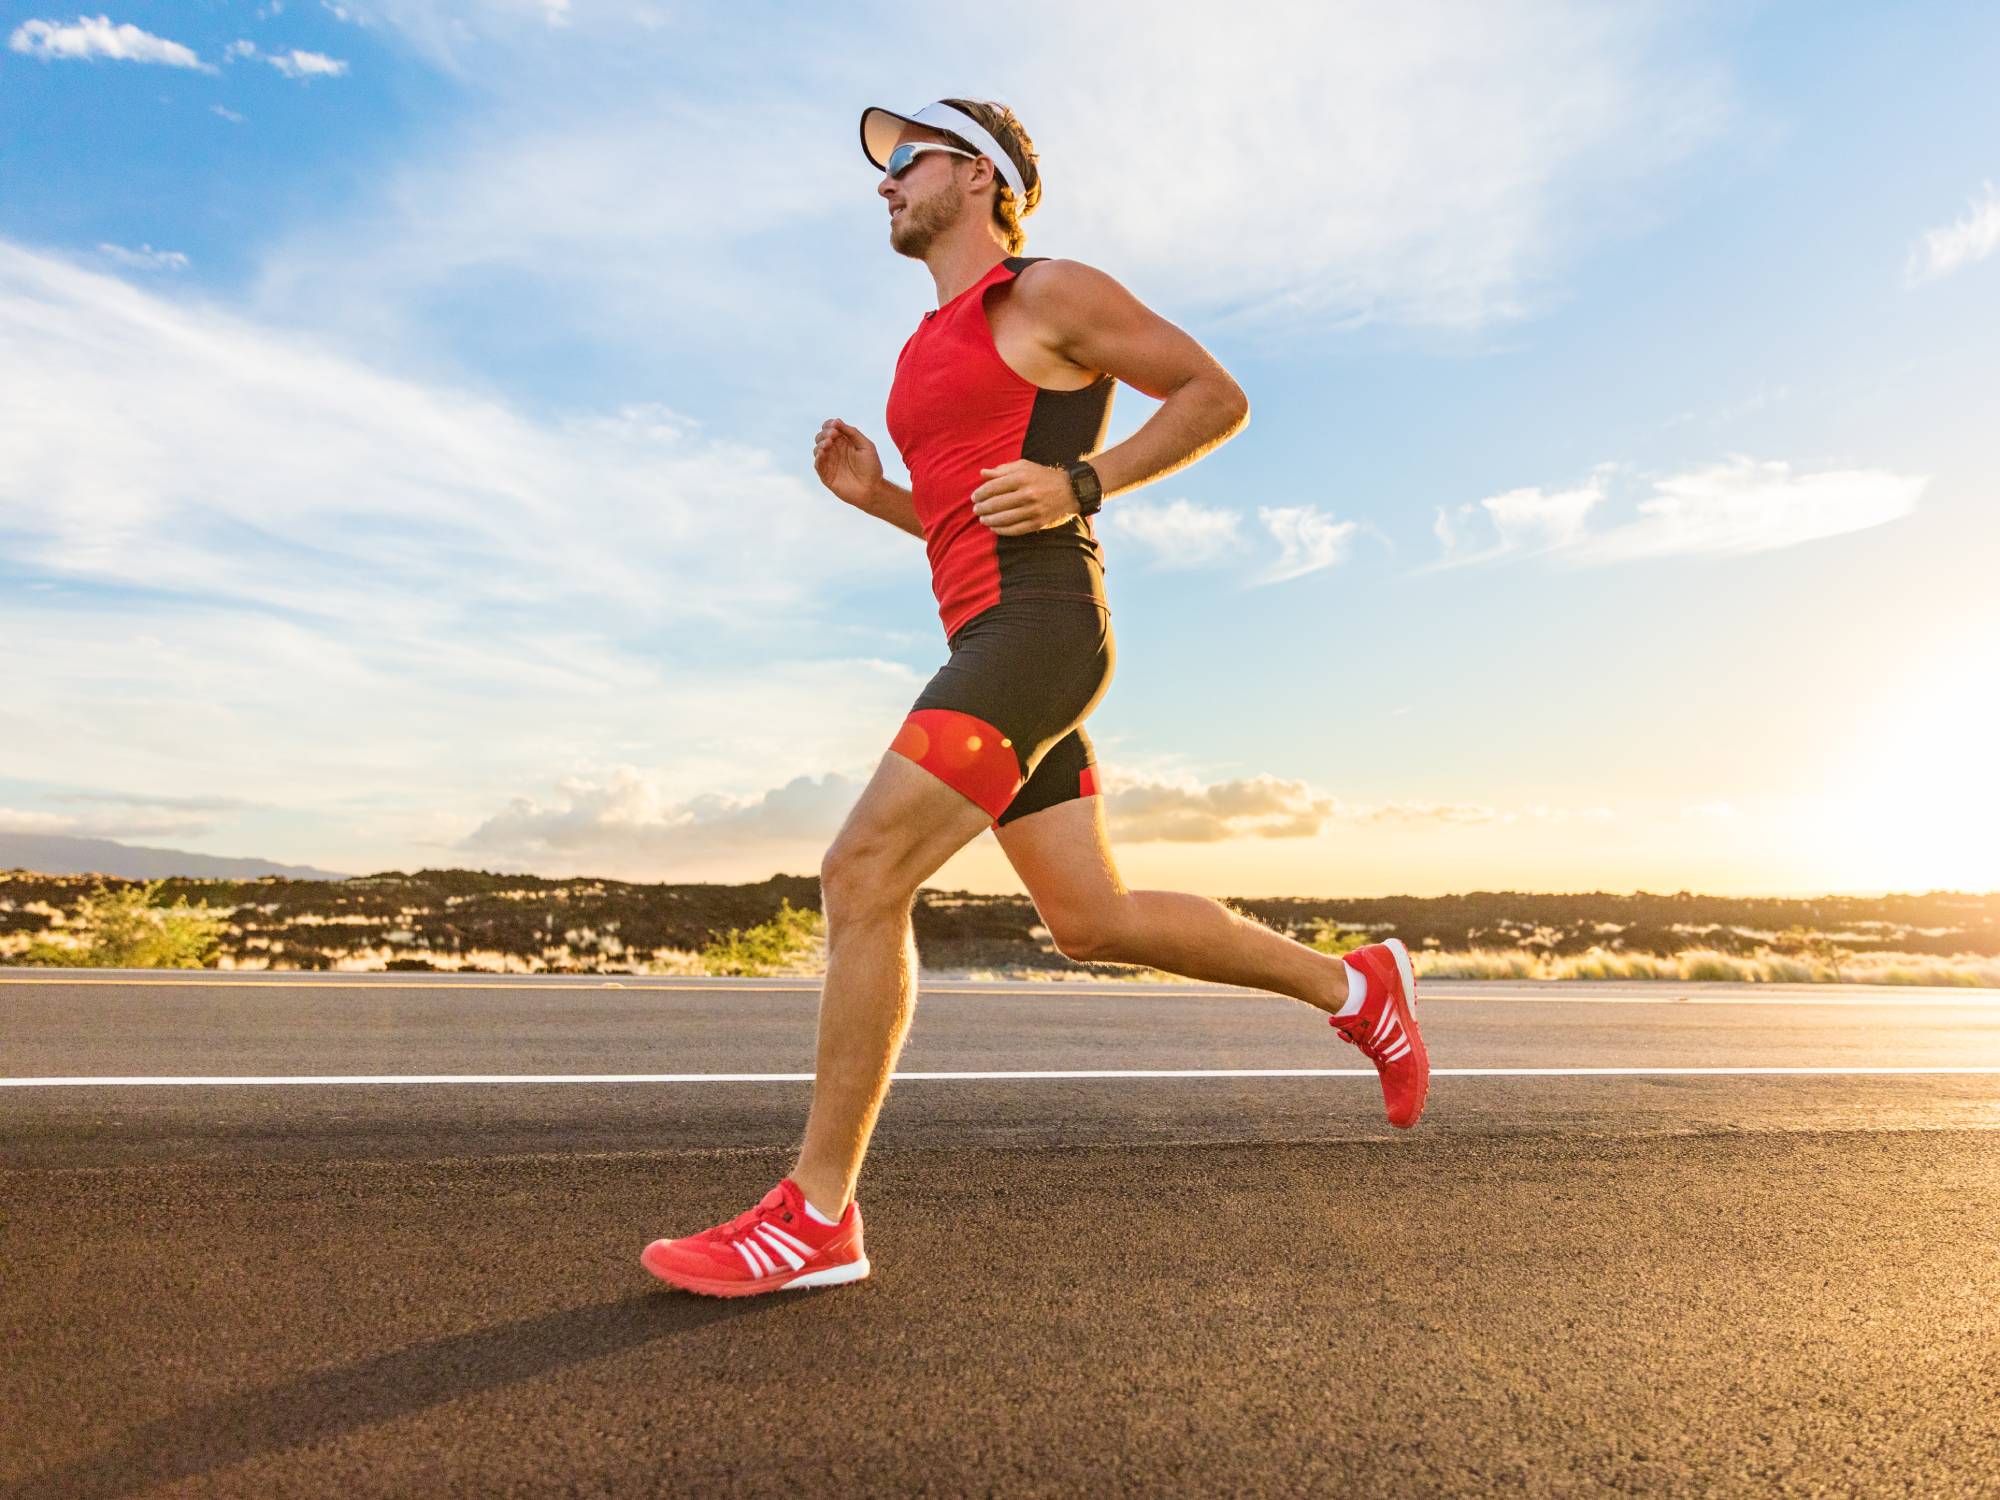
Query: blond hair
[[1008, 210]]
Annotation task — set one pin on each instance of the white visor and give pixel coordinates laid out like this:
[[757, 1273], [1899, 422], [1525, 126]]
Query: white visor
[[880, 127]]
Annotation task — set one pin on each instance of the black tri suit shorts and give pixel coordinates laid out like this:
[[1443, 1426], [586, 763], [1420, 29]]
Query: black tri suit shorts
[[1002, 720]]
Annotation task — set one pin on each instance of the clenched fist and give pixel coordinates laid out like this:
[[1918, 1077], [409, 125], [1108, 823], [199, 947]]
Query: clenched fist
[[846, 462], [1023, 496]]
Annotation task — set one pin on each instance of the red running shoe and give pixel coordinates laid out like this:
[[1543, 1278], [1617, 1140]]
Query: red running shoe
[[776, 1246], [1385, 1029]]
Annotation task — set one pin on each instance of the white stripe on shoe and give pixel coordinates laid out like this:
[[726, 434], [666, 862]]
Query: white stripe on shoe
[[791, 1239], [748, 1259], [791, 1256]]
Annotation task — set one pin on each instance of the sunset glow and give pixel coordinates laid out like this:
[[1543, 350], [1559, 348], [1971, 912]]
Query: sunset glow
[[419, 466]]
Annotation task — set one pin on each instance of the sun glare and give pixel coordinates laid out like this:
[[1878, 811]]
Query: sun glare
[[1918, 806]]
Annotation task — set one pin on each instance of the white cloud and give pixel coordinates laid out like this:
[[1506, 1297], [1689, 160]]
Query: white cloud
[[228, 114], [1963, 242], [1363, 160], [89, 38], [1741, 506], [293, 577], [589, 205], [1730, 508], [18, 820], [449, 33], [1309, 540], [297, 64], [122, 818], [1555, 520], [1353, 162], [293, 64], [1182, 808], [145, 258], [1178, 533], [1522, 520], [249, 466], [620, 822], [1142, 811]]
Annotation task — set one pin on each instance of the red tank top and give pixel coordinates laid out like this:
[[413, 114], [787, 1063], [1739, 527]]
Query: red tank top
[[957, 407]]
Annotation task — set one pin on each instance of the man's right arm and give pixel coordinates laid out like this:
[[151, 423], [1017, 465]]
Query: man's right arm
[[848, 464], [895, 505]]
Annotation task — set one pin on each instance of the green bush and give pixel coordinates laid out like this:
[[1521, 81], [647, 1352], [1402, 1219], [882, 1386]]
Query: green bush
[[782, 945], [1329, 936], [128, 929]]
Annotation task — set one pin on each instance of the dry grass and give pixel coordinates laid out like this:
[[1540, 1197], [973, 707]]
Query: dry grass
[[1693, 965]]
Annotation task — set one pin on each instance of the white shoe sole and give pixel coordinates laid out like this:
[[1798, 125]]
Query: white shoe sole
[[831, 1276]]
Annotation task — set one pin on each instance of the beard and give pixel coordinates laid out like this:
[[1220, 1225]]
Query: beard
[[916, 228]]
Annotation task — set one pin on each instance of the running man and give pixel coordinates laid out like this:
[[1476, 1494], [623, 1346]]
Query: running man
[[999, 405]]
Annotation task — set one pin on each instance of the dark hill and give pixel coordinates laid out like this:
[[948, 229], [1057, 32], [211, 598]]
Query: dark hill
[[62, 854]]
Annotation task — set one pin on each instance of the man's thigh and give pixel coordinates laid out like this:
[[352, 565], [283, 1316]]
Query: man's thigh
[[1062, 852], [906, 823]]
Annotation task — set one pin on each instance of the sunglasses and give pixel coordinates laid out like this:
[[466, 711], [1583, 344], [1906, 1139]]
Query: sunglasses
[[900, 159]]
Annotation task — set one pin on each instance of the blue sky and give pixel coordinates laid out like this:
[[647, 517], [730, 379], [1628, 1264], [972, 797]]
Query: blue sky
[[410, 407]]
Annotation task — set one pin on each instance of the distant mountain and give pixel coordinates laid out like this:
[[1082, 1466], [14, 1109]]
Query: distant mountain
[[59, 854]]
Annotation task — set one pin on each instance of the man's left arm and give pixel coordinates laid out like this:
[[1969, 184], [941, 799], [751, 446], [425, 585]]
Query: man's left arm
[[1093, 321]]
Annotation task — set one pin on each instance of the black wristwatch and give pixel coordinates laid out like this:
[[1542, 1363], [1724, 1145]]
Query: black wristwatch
[[1084, 485]]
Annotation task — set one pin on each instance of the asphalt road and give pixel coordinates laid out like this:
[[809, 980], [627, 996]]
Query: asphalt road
[[1122, 1244]]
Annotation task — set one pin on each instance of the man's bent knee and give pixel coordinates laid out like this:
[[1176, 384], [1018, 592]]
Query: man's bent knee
[[1086, 948], [1095, 936]]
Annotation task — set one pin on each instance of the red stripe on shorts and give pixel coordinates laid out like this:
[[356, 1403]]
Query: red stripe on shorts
[[965, 753]]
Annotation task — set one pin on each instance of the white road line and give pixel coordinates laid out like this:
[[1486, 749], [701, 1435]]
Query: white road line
[[443, 983], [154, 1081], [1572, 991]]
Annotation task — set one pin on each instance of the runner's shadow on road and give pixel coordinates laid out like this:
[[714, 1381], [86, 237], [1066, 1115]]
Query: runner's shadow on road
[[327, 1403]]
